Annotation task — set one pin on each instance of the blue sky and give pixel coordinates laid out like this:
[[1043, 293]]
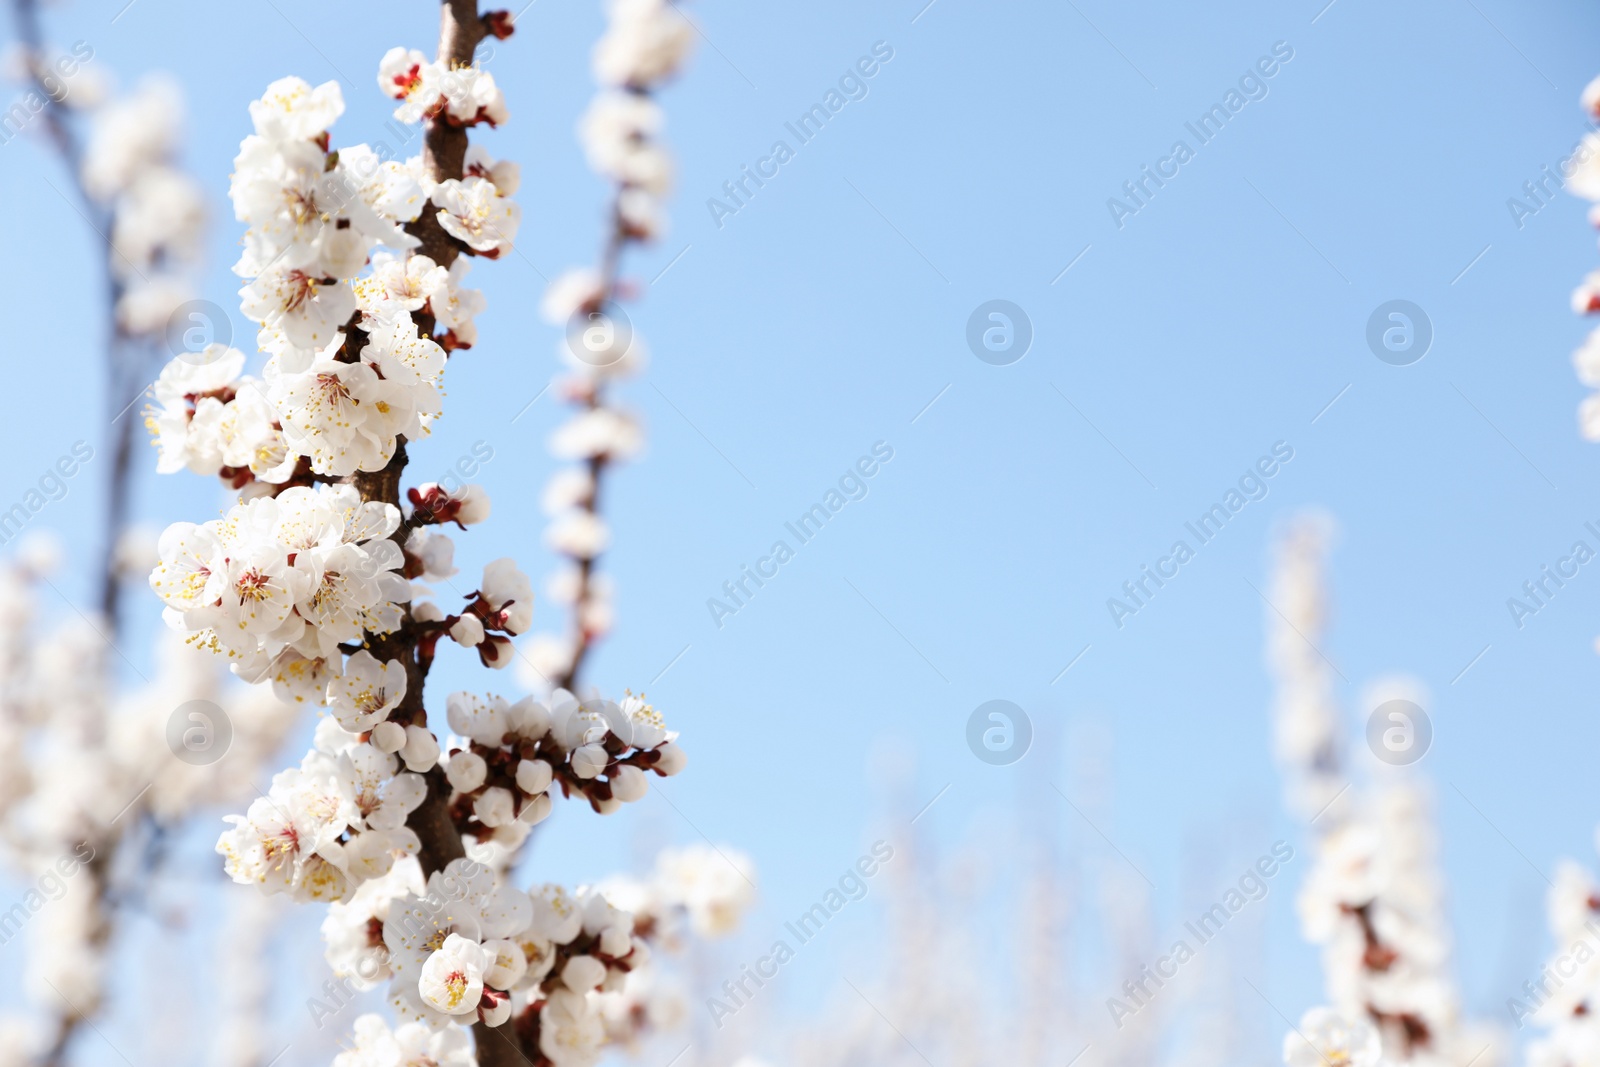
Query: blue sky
[[824, 316]]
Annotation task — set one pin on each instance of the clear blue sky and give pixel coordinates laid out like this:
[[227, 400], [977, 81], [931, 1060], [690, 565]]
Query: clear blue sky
[[828, 312]]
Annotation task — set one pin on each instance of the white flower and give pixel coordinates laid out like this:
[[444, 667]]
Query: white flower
[[605, 432], [367, 691], [1584, 180], [1589, 417], [509, 595], [557, 918], [571, 1030], [589, 761], [506, 175], [1586, 297], [292, 110], [472, 211], [192, 569], [397, 284], [712, 884], [483, 720], [421, 750], [637, 722], [355, 948], [402, 355], [533, 776], [615, 128], [467, 631], [382, 798], [309, 310], [1324, 1038], [466, 771], [1345, 876], [454, 305], [148, 304], [410, 1045], [574, 723], [1586, 360], [285, 841], [579, 534], [131, 134], [494, 807], [452, 979], [672, 759], [646, 42], [576, 289], [583, 973], [388, 737], [629, 784], [435, 551], [536, 810], [193, 387], [471, 96], [507, 965], [401, 73]]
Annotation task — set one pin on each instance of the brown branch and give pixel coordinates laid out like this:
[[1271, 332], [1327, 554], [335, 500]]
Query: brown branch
[[444, 155]]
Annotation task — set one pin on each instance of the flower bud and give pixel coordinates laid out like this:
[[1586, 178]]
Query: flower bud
[[421, 750], [494, 1011], [494, 807], [495, 652], [508, 965], [629, 784], [466, 771], [388, 737], [589, 760], [536, 810], [583, 973], [472, 504], [673, 759], [467, 631], [616, 941], [533, 776], [530, 718]]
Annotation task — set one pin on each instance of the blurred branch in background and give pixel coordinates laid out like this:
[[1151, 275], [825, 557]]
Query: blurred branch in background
[[1374, 898], [100, 768]]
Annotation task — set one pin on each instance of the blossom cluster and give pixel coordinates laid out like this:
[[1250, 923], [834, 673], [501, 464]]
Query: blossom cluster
[[509, 756], [350, 372], [339, 819], [1374, 899], [322, 586], [1326, 1037], [1374, 902], [463, 946], [279, 583]]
